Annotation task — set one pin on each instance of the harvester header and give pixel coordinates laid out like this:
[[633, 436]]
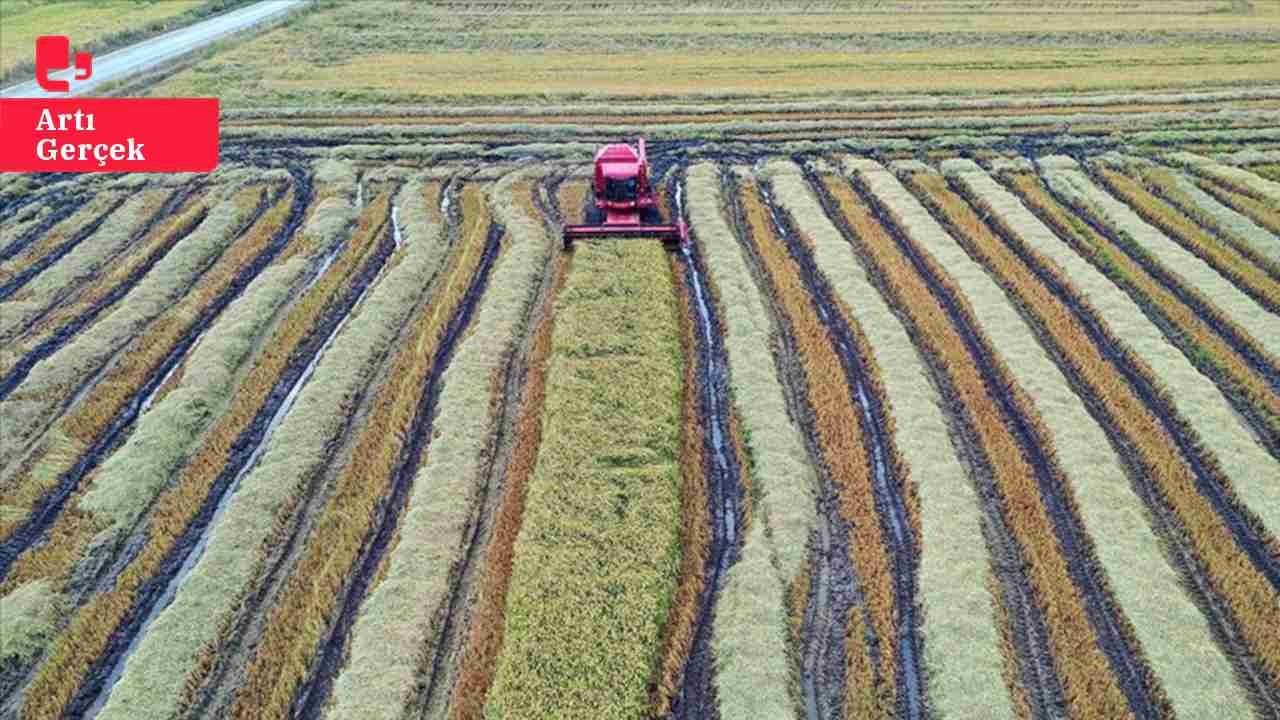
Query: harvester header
[[624, 203]]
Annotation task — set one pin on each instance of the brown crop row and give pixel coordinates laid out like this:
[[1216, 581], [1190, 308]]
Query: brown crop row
[[113, 391], [1091, 689], [305, 609], [89, 630], [1206, 348], [102, 204], [695, 532], [157, 241], [1229, 571], [871, 685], [1222, 257]]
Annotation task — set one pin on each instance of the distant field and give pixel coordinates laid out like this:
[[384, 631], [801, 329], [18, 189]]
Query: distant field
[[95, 25], [390, 51]]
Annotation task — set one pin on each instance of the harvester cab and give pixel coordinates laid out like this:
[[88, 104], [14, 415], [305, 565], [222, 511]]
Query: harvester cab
[[624, 203]]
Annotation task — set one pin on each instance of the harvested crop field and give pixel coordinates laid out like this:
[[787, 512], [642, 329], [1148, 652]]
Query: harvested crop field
[[962, 404]]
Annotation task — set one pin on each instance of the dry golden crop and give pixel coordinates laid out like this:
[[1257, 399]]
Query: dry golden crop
[[1205, 345], [1224, 258], [1230, 572]]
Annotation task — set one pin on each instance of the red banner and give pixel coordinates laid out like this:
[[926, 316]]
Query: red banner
[[108, 135]]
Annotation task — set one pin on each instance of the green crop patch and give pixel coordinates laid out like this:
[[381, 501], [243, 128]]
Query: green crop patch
[[598, 553]]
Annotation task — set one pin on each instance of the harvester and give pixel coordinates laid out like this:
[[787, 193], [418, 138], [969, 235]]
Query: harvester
[[624, 203]]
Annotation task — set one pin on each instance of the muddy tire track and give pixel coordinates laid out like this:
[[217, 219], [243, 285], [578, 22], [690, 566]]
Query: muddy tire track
[[1029, 632], [1100, 608], [725, 493], [890, 491], [42, 516], [314, 693], [832, 592], [453, 618]]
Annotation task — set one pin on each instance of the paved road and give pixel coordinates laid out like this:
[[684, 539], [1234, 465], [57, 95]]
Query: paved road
[[149, 54]]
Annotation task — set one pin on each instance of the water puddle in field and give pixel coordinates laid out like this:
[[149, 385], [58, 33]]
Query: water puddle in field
[[395, 227]]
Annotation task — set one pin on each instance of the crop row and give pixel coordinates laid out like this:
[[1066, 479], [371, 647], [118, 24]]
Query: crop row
[[1231, 227], [1222, 257], [1212, 342], [1203, 407], [155, 314], [122, 232], [604, 495], [189, 435], [484, 634], [839, 426], [1133, 401], [1128, 552], [922, 104], [176, 652], [395, 640], [362, 490], [753, 671], [1010, 433]]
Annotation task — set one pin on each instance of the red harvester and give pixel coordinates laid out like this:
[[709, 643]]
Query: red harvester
[[624, 204]]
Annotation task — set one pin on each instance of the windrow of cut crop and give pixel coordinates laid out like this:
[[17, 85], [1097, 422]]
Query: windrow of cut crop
[[1067, 180], [55, 237], [366, 493], [100, 630], [1225, 434], [836, 624], [1027, 477], [42, 333], [484, 632], [187, 438], [1228, 262], [1220, 221], [1262, 212], [124, 232], [959, 644], [848, 433], [144, 321], [180, 647], [597, 556], [396, 641], [1028, 663], [165, 442], [1078, 334], [753, 673], [1234, 178], [1218, 348]]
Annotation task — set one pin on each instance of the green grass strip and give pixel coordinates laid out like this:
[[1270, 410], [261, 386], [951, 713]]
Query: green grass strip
[[597, 556]]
